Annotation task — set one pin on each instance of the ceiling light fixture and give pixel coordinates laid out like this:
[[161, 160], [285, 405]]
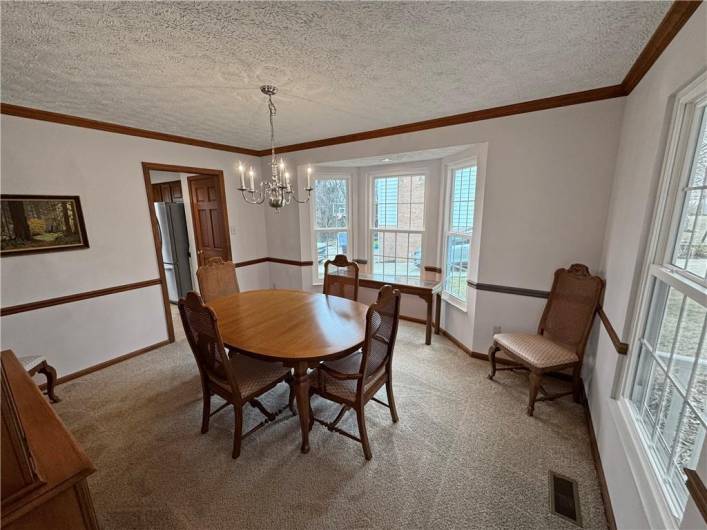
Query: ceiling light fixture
[[277, 190]]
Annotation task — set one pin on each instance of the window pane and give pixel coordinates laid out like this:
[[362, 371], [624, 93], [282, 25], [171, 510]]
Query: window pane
[[670, 413], [457, 265], [330, 203], [329, 244], [688, 341], [691, 244], [642, 378], [698, 392], [463, 194], [399, 204]]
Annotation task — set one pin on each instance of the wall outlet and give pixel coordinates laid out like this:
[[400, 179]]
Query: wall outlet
[[274, 286], [496, 329], [232, 229]]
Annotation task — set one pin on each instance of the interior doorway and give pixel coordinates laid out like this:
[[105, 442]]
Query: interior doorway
[[189, 219], [208, 207]]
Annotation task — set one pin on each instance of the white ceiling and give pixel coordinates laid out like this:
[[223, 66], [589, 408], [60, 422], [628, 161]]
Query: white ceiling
[[194, 68], [398, 158]]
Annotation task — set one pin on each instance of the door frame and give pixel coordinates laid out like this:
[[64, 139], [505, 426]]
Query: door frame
[[222, 198], [156, 166]]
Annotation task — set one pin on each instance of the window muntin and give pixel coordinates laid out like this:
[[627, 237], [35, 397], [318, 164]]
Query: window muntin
[[462, 198], [331, 220], [669, 386], [398, 224]]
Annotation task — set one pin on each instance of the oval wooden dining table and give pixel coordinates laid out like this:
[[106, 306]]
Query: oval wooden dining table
[[298, 328]]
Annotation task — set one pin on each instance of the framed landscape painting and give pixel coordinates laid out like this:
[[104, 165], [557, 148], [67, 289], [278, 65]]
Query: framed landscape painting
[[40, 223]]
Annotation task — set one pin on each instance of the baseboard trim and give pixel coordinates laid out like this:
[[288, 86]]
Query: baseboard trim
[[596, 456], [110, 362]]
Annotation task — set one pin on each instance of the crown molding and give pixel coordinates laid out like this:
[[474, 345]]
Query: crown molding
[[676, 17], [76, 121]]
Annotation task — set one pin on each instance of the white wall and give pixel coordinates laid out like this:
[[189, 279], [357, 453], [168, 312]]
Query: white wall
[[642, 143], [105, 170], [548, 180]]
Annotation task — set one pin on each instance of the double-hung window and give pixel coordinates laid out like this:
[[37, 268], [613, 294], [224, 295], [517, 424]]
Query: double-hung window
[[398, 224], [331, 220], [667, 386], [460, 226]]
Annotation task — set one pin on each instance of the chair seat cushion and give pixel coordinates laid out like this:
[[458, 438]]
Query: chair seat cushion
[[320, 381], [252, 375], [535, 350], [31, 361]]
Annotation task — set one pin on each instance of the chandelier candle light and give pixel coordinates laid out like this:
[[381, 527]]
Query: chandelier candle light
[[277, 190]]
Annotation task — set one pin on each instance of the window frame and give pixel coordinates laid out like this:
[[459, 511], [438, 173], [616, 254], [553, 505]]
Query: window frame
[[447, 232], [395, 171], [329, 175], [658, 267]]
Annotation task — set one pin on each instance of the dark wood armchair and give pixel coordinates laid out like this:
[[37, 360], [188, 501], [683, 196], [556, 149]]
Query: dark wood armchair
[[217, 279], [341, 277], [562, 334], [238, 379], [354, 380]]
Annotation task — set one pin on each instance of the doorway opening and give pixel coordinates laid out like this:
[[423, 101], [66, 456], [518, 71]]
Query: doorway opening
[[189, 221]]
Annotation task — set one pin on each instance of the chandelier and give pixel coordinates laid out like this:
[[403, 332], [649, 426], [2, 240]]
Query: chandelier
[[278, 190]]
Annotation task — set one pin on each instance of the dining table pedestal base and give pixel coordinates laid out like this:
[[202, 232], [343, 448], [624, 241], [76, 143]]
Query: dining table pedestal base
[[301, 382]]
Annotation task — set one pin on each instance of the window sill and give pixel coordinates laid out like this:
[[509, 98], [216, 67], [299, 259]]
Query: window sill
[[454, 301]]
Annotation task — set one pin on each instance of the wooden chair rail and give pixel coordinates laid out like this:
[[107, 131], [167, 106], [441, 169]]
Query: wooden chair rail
[[621, 347], [698, 491]]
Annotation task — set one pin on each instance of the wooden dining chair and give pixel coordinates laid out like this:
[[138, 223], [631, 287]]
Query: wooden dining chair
[[341, 277], [354, 380], [562, 334], [238, 379], [217, 279]]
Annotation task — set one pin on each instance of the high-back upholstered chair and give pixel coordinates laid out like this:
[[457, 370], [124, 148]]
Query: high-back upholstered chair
[[355, 379], [238, 379], [562, 334], [217, 279], [341, 277]]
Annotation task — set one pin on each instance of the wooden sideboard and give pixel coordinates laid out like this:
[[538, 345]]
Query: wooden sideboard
[[44, 469]]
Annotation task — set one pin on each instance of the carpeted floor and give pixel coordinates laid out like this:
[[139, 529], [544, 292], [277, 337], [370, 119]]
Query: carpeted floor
[[464, 454]]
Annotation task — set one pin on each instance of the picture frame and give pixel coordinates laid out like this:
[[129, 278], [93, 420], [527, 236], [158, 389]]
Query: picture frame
[[31, 224]]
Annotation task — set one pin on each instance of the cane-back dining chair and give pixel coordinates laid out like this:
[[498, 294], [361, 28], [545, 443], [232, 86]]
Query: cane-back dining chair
[[341, 277], [217, 279], [354, 380], [562, 334], [238, 379]]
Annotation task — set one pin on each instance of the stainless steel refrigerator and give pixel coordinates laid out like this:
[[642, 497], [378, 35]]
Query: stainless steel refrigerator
[[175, 248]]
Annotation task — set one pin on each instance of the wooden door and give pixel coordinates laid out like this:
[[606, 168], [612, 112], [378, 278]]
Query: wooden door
[[208, 207]]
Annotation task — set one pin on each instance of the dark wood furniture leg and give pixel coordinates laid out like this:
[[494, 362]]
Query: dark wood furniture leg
[[301, 381], [50, 373], [438, 312], [428, 331]]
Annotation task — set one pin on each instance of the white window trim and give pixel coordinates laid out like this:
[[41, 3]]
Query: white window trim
[[330, 175], [449, 169], [396, 171], [658, 505]]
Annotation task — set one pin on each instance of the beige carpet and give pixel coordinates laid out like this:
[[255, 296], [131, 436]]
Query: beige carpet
[[464, 454]]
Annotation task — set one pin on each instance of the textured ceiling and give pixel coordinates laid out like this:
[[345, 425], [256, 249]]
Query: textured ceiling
[[194, 69], [398, 158]]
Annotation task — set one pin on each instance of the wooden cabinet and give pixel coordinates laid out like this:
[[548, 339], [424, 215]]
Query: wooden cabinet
[[44, 469], [167, 192]]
